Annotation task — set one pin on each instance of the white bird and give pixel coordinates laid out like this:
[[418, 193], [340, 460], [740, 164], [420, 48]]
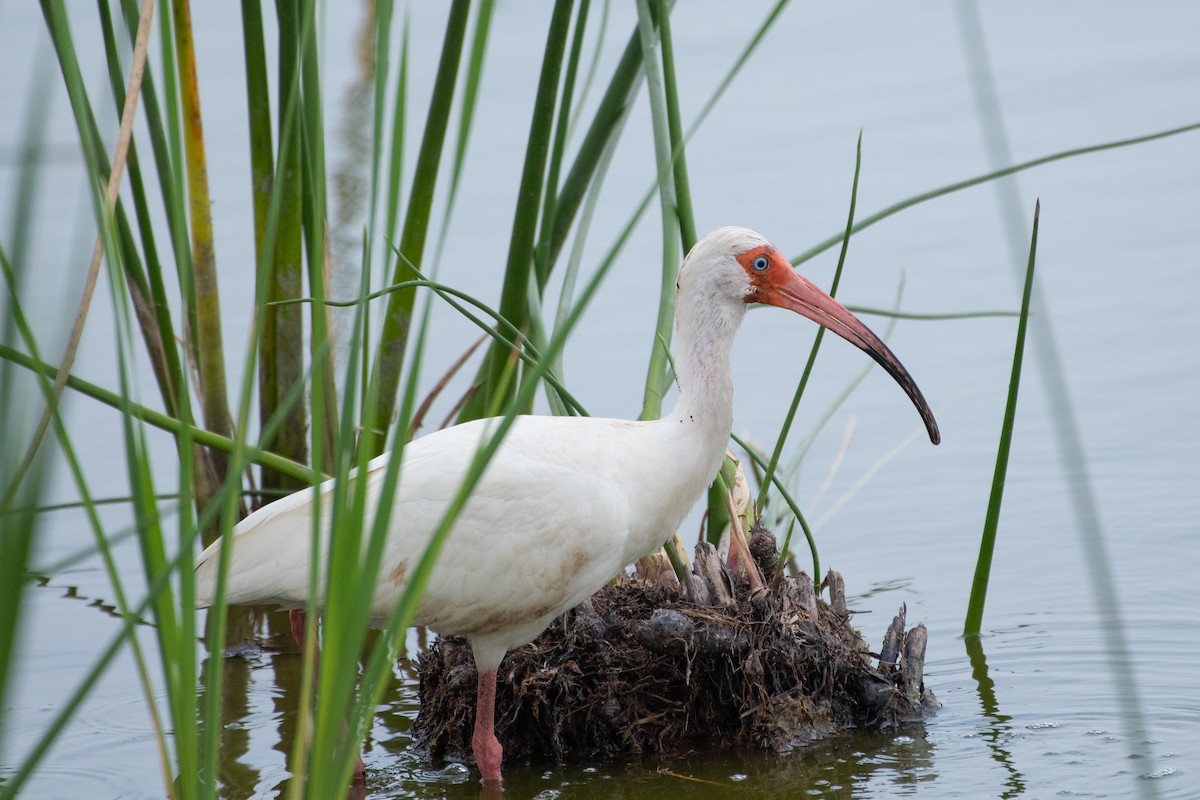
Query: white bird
[[566, 503]]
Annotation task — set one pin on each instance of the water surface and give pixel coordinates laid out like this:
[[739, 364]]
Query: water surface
[[1039, 710]]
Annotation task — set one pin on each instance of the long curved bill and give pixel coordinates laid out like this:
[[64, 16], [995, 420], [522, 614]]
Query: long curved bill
[[786, 288]]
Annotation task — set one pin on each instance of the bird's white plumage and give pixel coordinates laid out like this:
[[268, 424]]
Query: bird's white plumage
[[559, 511], [565, 503]]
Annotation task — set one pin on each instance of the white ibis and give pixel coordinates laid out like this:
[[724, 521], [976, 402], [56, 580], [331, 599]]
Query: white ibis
[[567, 502]]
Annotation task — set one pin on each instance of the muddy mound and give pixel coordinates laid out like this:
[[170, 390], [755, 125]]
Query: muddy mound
[[643, 668]]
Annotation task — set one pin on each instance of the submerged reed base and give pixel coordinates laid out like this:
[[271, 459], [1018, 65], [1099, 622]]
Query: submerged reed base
[[643, 668]]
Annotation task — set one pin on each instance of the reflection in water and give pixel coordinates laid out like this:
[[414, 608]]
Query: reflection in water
[[258, 638], [288, 669], [851, 765], [1001, 731], [237, 775], [252, 632], [395, 714]]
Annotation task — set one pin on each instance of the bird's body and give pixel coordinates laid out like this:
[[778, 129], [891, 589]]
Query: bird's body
[[566, 502], [570, 481]]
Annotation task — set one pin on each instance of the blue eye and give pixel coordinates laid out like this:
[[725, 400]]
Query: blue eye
[[760, 263]]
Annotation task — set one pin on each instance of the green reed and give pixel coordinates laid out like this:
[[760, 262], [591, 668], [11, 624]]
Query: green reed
[[987, 544]]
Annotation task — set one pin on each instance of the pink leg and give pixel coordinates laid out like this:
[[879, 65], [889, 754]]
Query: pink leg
[[488, 752], [296, 618]]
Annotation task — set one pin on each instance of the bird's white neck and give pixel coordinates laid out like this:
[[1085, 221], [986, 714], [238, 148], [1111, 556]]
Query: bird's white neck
[[705, 328]]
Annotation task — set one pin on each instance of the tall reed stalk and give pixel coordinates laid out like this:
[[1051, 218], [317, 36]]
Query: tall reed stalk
[[281, 351], [18, 515], [987, 543], [385, 377]]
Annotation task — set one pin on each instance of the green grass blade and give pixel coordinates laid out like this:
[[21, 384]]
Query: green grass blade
[[608, 121], [792, 469], [593, 66], [16, 548], [217, 618], [395, 170], [258, 116], [761, 462], [683, 191], [77, 474], [939, 316], [514, 305], [987, 544], [504, 333], [19, 519], [812, 355], [958, 186], [536, 333], [316, 240], [350, 578], [380, 64], [162, 421], [24, 201], [557, 150], [161, 342], [393, 341], [208, 338], [281, 357], [176, 655], [658, 377], [471, 82], [571, 273], [146, 287], [741, 61], [277, 353]]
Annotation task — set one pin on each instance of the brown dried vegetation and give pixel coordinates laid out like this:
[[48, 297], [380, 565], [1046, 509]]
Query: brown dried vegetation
[[640, 668]]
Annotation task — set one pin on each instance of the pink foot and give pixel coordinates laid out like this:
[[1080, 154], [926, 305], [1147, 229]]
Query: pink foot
[[488, 752], [488, 755]]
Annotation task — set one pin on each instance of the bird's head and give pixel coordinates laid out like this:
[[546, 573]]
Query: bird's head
[[736, 263]]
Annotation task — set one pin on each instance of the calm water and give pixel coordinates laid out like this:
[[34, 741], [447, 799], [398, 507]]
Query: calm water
[[1043, 709]]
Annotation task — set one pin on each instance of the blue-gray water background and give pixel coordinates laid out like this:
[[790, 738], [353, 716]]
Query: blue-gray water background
[[1119, 278]]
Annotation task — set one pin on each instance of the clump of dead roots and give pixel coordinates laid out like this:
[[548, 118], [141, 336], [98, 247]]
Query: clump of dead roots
[[643, 668]]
